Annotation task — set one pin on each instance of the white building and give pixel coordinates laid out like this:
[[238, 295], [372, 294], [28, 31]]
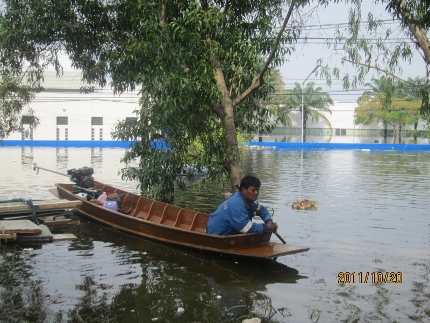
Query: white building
[[343, 129], [67, 114]]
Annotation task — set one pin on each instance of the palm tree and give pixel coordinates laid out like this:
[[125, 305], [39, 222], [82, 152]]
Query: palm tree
[[313, 101], [380, 91], [274, 102]]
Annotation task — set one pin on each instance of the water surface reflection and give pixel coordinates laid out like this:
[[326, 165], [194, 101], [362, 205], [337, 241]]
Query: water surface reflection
[[372, 217]]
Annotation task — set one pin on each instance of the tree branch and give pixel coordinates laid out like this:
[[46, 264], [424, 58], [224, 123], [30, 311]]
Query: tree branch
[[221, 85], [416, 30], [217, 108], [259, 79], [162, 15], [387, 73], [226, 7]]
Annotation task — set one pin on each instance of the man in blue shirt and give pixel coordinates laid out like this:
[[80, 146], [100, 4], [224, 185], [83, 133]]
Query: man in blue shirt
[[234, 216]]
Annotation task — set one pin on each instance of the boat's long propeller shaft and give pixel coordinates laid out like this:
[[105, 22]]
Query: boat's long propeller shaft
[[36, 168]]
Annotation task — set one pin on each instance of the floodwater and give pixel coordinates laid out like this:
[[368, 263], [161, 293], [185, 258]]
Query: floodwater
[[368, 262]]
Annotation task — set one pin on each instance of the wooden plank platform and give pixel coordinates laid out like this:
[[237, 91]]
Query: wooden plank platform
[[8, 236], [64, 236], [25, 231], [51, 220], [44, 205], [19, 226], [44, 235]]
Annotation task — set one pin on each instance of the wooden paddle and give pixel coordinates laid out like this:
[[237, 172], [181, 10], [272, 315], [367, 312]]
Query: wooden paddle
[[257, 211]]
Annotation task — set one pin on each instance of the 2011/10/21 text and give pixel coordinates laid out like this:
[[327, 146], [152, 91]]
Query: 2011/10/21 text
[[369, 277]]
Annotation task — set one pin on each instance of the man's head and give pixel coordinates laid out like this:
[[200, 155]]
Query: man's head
[[248, 181], [250, 187]]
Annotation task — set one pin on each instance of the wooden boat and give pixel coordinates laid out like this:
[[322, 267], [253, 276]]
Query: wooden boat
[[175, 225]]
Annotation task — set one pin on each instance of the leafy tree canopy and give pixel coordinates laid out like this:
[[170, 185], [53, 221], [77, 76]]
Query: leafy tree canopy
[[18, 83], [199, 66], [390, 101], [369, 44]]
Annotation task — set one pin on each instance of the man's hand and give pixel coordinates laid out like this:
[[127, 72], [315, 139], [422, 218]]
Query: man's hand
[[272, 226]]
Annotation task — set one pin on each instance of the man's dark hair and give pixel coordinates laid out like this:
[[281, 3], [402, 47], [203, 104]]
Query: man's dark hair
[[250, 180]]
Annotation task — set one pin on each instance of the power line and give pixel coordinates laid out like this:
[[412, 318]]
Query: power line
[[346, 24]]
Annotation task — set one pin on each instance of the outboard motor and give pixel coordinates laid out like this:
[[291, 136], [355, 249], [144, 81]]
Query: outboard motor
[[82, 176]]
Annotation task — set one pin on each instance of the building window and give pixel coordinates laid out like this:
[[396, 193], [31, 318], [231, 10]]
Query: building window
[[131, 120], [66, 134], [27, 133], [28, 120], [340, 132], [62, 121], [58, 133], [97, 121], [27, 126]]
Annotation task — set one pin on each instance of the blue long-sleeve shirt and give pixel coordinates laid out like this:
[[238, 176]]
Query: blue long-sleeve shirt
[[234, 216]]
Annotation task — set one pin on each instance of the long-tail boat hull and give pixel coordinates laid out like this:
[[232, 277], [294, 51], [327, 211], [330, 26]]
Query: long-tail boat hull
[[172, 224]]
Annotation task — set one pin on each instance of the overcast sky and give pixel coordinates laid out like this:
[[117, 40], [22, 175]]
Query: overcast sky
[[321, 24]]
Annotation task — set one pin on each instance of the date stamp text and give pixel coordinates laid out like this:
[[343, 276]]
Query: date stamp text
[[346, 277]]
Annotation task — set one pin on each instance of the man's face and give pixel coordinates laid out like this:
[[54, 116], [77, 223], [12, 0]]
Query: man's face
[[251, 193]]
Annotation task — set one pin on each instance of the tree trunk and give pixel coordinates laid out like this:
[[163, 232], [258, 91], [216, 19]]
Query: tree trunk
[[225, 109], [399, 133], [394, 133], [416, 30], [421, 42], [233, 157], [385, 132], [226, 115]]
